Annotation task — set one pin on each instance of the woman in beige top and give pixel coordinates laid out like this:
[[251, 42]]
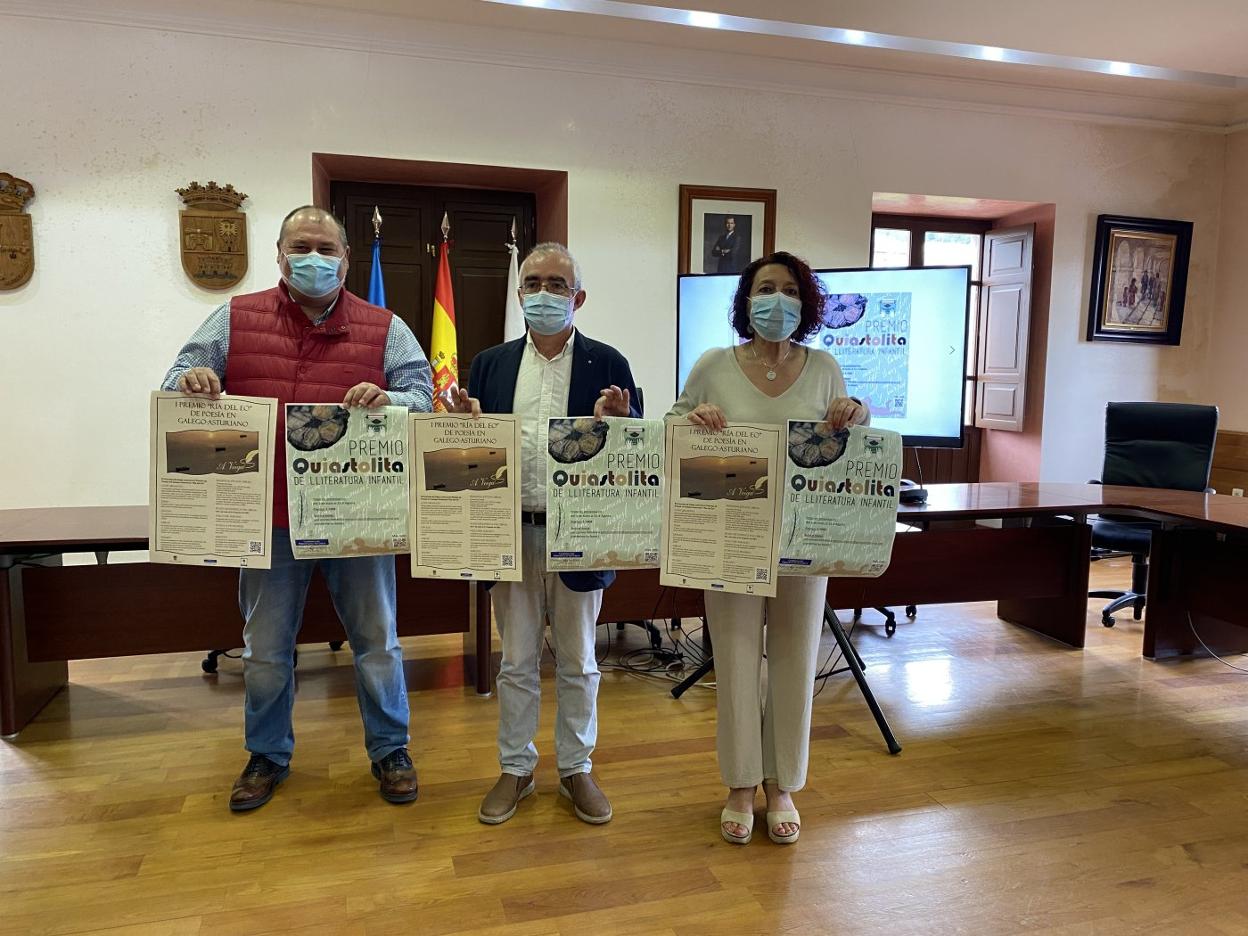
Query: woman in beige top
[[771, 377]]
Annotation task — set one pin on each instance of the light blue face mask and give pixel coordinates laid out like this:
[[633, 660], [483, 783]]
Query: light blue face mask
[[312, 274], [546, 313], [775, 316]]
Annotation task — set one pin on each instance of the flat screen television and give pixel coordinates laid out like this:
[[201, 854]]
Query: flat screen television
[[899, 335]]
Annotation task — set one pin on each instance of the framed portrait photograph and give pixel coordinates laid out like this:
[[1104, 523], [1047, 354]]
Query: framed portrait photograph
[[723, 229], [1139, 279]]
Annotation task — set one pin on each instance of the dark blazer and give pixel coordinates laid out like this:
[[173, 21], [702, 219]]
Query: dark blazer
[[595, 366]]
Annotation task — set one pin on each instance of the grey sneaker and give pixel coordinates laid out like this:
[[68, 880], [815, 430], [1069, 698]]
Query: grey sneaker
[[501, 802]]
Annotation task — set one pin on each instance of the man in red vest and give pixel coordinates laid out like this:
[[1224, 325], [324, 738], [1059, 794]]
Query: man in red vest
[[308, 340]]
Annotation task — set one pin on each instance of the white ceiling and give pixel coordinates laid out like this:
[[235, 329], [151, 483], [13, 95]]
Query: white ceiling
[[1208, 37], [924, 52]]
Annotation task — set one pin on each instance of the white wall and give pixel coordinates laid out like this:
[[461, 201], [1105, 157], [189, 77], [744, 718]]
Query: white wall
[[119, 117]]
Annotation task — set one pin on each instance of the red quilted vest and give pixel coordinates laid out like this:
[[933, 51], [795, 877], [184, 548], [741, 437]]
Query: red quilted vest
[[276, 351]]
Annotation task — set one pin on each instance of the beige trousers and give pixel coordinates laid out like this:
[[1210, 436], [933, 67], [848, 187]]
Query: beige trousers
[[766, 737]]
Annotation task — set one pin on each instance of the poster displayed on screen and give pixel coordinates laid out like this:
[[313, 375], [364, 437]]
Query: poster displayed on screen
[[346, 480], [721, 522], [869, 335], [899, 336], [604, 493], [841, 489], [211, 482], [465, 497]]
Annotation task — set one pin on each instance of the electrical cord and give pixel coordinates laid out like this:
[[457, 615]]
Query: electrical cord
[[1192, 625]]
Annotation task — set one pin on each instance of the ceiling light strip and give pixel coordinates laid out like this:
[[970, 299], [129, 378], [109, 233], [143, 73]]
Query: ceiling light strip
[[645, 12]]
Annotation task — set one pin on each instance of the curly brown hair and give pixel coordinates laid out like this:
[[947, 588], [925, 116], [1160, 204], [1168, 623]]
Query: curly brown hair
[[809, 289]]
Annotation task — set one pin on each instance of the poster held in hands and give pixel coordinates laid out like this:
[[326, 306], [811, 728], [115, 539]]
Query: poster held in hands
[[721, 520], [346, 480], [465, 497], [210, 492], [604, 493], [841, 490]]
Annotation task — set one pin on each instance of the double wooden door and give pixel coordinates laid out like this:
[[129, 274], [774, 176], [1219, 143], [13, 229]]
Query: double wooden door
[[411, 237]]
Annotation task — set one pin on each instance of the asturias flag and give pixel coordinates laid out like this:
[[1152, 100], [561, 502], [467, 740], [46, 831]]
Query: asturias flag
[[376, 285], [445, 358]]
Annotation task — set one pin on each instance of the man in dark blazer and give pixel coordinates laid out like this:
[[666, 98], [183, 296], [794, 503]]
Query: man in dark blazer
[[553, 371], [729, 249]]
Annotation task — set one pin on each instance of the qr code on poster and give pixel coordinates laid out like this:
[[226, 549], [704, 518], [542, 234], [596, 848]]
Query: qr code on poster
[[509, 562], [762, 575], [650, 555], [255, 547]]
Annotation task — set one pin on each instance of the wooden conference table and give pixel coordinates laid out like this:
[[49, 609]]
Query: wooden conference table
[[1033, 563]]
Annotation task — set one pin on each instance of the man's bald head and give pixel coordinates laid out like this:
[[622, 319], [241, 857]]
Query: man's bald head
[[306, 214]]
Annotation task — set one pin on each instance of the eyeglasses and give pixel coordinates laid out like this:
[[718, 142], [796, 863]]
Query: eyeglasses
[[556, 287]]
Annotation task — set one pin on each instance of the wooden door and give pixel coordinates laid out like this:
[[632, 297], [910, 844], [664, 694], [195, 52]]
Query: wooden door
[[411, 237], [1004, 322]]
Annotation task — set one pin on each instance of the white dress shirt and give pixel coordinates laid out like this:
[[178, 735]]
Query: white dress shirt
[[541, 394]]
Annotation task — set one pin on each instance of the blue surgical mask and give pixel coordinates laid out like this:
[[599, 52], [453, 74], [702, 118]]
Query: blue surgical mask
[[775, 316], [546, 313], [313, 274]]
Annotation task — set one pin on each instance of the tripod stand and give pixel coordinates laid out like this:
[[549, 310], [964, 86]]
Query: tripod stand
[[853, 663]]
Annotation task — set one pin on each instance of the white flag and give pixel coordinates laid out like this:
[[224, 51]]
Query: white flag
[[513, 322]]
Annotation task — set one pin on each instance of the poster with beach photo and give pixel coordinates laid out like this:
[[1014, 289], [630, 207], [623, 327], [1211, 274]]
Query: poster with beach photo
[[841, 489], [346, 480], [465, 497], [604, 493], [721, 518], [210, 491]]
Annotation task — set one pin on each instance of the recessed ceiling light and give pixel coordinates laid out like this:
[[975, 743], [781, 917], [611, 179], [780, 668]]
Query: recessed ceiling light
[[1119, 68], [993, 53], [856, 36]]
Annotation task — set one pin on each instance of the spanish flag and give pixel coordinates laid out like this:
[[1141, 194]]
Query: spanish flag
[[445, 359]]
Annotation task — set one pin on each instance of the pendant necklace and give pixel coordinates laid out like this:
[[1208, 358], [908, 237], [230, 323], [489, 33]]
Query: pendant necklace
[[771, 368]]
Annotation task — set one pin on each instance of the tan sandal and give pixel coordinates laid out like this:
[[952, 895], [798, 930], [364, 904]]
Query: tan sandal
[[741, 819], [782, 817]]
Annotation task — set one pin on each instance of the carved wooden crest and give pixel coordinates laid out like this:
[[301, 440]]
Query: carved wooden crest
[[17, 236], [213, 235]]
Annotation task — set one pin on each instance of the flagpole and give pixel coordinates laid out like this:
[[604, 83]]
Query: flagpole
[[376, 282], [444, 359]]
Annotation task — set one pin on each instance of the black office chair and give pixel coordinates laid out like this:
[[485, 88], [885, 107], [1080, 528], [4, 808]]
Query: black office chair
[[1157, 445], [890, 619]]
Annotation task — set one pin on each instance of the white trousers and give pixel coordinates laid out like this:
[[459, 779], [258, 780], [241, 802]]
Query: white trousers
[[766, 738], [521, 610]]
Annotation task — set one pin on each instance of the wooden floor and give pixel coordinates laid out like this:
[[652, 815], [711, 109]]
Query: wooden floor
[[1041, 790]]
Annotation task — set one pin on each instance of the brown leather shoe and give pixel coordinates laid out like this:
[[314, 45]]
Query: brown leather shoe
[[501, 802], [256, 784], [397, 776], [588, 802]]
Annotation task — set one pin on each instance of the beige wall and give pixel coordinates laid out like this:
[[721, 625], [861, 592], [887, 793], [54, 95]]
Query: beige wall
[[1227, 380], [130, 114]]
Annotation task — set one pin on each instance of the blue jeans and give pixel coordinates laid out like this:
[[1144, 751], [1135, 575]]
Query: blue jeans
[[272, 604]]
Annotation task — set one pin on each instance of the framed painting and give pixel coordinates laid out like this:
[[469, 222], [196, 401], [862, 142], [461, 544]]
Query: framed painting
[[1139, 279], [723, 229]]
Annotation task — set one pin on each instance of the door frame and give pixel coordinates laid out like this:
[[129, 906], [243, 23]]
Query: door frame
[[549, 186]]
